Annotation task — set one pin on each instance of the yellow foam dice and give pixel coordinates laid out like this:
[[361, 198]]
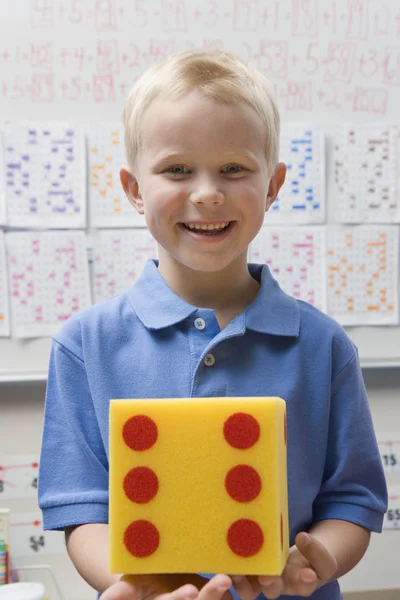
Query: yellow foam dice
[[198, 485]]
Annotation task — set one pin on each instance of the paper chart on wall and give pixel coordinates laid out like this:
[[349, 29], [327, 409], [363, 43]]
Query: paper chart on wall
[[18, 476], [367, 159], [391, 519], [45, 178], [118, 259], [389, 449], [27, 537], [363, 274], [302, 196], [49, 280], [2, 184], [109, 207], [4, 298], [296, 259]]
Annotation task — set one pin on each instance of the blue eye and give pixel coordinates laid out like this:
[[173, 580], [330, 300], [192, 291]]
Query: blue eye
[[232, 169], [178, 170]]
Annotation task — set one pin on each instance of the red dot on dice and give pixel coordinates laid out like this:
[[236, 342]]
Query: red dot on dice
[[245, 537], [140, 433], [141, 538], [243, 483], [141, 485], [241, 431]]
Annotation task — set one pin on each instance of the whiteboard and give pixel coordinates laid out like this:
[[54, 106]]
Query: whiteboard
[[330, 62]]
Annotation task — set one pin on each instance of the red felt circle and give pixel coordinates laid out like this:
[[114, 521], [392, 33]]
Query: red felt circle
[[241, 430], [140, 432], [243, 483], [141, 485], [245, 537], [141, 538]]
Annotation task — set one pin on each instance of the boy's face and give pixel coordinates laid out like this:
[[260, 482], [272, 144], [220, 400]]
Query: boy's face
[[202, 163]]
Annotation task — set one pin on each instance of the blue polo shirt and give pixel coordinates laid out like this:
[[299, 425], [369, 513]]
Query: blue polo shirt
[[148, 343]]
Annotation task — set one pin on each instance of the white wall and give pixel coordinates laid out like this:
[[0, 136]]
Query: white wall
[[21, 416], [21, 413]]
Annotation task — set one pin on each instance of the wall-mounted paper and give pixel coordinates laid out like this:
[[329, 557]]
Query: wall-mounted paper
[[49, 279], [109, 207], [45, 175], [296, 258], [363, 279], [118, 259]]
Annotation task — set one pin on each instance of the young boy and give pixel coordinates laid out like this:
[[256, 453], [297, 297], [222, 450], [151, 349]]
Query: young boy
[[202, 137]]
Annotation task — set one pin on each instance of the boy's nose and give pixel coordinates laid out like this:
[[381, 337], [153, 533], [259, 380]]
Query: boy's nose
[[208, 196]]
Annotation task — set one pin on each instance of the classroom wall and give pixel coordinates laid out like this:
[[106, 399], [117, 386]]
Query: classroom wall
[[20, 433], [330, 62]]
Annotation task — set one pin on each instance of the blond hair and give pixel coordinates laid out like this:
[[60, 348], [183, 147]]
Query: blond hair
[[219, 75]]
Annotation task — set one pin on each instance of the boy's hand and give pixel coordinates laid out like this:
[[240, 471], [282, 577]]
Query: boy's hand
[[169, 587], [309, 566]]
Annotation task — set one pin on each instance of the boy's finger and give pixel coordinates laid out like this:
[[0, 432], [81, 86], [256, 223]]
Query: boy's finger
[[216, 588], [185, 592], [273, 588], [319, 557], [246, 587], [299, 581]]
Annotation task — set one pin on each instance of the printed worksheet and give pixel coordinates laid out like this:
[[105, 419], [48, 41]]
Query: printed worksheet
[[27, 537], [363, 274], [389, 449], [4, 297], [366, 171], [109, 207], [48, 280], [45, 178], [118, 259], [296, 259], [3, 218], [18, 476], [392, 516], [302, 196]]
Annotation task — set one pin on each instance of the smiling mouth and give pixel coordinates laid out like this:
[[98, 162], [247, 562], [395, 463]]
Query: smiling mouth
[[207, 229]]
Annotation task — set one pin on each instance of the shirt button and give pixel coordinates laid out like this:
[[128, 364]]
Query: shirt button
[[209, 360], [199, 323]]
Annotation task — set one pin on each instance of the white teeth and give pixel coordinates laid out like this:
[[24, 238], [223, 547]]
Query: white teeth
[[207, 227]]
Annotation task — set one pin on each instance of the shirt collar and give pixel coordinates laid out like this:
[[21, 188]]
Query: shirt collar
[[157, 306]]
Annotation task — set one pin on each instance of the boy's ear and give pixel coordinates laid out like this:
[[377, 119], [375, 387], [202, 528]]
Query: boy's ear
[[131, 189], [276, 182]]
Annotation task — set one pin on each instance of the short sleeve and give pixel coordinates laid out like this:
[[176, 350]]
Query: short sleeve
[[73, 471], [354, 487]]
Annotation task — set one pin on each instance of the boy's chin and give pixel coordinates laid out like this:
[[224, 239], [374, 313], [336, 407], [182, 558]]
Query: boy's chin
[[213, 264]]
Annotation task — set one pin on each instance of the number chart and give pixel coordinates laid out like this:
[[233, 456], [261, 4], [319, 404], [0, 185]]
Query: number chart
[[109, 207], [49, 279], [362, 274], [302, 197], [366, 174], [119, 258], [389, 448], [28, 539], [45, 175], [392, 517], [3, 217], [296, 258], [18, 477], [4, 299]]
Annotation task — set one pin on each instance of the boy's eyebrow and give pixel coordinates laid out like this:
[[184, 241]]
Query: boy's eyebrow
[[170, 154], [241, 152], [166, 155]]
